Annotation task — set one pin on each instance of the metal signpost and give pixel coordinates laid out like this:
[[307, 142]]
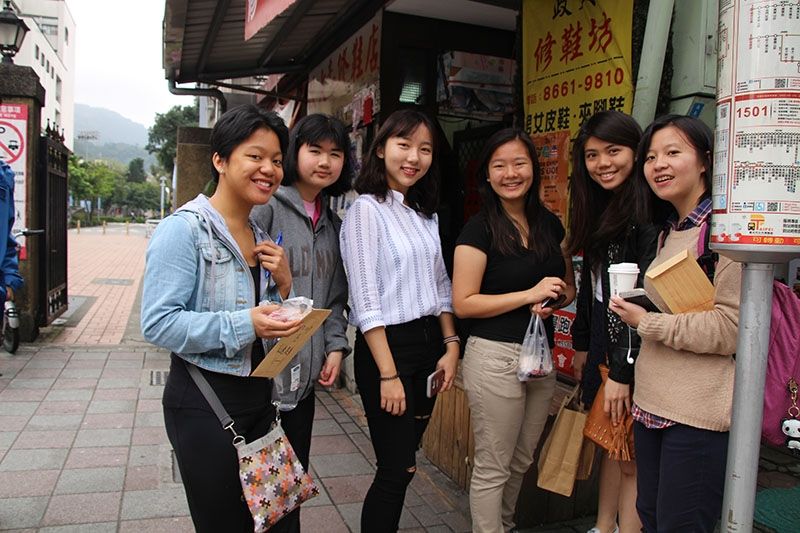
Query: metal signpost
[[756, 216]]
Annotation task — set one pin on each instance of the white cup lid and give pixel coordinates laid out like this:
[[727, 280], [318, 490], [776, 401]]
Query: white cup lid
[[624, 268]]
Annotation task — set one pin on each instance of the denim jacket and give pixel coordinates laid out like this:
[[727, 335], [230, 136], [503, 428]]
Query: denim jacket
[[198, 290]]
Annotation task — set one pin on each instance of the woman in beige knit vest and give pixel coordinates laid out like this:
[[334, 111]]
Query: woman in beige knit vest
[[684, 373]]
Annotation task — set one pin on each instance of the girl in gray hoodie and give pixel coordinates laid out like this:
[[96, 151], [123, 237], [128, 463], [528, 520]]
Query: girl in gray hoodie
[[316, 167]]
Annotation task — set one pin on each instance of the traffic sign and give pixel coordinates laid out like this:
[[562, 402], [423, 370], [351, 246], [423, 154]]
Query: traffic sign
[[12, 142]]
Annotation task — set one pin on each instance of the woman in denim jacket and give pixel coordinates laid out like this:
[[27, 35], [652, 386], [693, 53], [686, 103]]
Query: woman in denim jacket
[[202, 288]]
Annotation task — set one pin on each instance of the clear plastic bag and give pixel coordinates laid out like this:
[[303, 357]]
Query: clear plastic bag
[[535, 359], [292, 309]]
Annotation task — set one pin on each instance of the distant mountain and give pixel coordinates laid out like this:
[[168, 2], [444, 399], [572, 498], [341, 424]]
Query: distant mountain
[[104, 134], [110, 126]]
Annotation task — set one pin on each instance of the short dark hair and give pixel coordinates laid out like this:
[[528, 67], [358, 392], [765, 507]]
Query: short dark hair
[[313, 129], [506, 238], [598, 216], [239, 123], [423, 196], [696, 134]]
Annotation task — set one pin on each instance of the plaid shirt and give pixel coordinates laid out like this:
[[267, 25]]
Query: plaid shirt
[[696, 218], [649, 420]]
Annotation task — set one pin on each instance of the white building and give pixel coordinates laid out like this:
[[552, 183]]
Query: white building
[[49, 48]]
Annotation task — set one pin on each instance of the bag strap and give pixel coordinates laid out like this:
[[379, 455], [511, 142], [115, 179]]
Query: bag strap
[[569, 397], [213, 401], [706, 258]]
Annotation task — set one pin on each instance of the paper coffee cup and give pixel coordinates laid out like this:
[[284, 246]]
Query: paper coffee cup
[[622, 277]]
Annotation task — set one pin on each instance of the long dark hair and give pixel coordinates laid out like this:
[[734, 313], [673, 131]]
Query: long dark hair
[[506, 238], [239, 123], [696, 134], [597, 216], [423, 196], [314, 129]]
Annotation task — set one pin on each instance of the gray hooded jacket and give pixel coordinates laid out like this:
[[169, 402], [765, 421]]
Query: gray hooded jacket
[[317, 273]]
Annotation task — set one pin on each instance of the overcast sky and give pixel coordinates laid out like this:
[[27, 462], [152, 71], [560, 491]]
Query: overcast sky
[[118, 58]]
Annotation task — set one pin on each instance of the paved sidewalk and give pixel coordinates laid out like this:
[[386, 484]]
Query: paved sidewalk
[[82, 439], [104, 275], [83, 444]]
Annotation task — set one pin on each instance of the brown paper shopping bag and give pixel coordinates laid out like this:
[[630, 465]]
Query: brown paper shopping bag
[[561, 453], [586, 462]]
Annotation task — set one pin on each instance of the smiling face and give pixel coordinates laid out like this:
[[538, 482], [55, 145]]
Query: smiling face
[[319, 165], [511, 171], [254, 169], [674, 170], [407, 159], [609, 164]]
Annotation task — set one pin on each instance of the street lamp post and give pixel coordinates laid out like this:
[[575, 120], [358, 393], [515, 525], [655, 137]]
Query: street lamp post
[[163, 181], [12, 33]]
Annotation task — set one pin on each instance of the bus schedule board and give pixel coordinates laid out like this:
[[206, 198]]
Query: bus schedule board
[[756, 185]]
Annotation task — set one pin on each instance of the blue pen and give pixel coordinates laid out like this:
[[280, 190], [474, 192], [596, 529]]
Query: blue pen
[[277, 241]]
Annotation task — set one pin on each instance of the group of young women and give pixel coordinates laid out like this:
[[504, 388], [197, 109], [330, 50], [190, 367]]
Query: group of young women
[[214, 274]]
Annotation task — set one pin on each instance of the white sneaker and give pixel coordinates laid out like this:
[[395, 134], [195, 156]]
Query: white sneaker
[[597, 530]]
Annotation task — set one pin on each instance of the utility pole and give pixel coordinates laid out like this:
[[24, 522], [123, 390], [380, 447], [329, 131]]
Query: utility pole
[[754, 144]]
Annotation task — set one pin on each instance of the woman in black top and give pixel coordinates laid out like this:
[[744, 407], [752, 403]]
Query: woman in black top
[[507, 261]]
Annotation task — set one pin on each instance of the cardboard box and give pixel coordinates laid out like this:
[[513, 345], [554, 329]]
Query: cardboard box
[[287, 347], [682, 284]]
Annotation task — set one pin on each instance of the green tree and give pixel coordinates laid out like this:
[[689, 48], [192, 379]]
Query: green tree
[[136, 170], [90, 180], [80, 183], [144, 196], [163, 136]]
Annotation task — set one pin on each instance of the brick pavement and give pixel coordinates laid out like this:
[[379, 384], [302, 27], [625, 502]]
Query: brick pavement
[[82, 439], [107, 268]]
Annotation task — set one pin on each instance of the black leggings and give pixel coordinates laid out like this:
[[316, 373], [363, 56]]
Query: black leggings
[[206, 457], [416, 347]]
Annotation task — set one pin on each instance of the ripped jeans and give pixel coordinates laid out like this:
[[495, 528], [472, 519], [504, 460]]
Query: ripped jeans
[[416, 347]]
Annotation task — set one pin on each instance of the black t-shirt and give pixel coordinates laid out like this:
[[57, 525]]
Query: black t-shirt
[[257, 355], [511, 273]]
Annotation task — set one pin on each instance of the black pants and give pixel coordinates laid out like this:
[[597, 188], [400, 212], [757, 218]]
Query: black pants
[[416, 347], [680, 477], [206, 457], [297, 425]]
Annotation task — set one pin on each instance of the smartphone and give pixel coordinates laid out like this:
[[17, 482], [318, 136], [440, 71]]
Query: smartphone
[[435, 383], [554, 302], [640, 298]]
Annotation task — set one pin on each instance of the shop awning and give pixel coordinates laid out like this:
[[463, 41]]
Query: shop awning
[[204, 40]]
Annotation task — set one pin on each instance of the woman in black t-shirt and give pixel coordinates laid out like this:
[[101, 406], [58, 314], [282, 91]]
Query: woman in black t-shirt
[[508, 260]]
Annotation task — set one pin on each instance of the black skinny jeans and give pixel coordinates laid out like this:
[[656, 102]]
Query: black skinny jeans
[[416, 347], [206, 457]]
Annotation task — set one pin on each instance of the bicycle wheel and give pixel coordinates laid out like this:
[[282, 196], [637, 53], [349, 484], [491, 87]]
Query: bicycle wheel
[[10, 336]]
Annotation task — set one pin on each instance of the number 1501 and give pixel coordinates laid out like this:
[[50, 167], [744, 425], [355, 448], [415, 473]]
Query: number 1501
[[754, 111]]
